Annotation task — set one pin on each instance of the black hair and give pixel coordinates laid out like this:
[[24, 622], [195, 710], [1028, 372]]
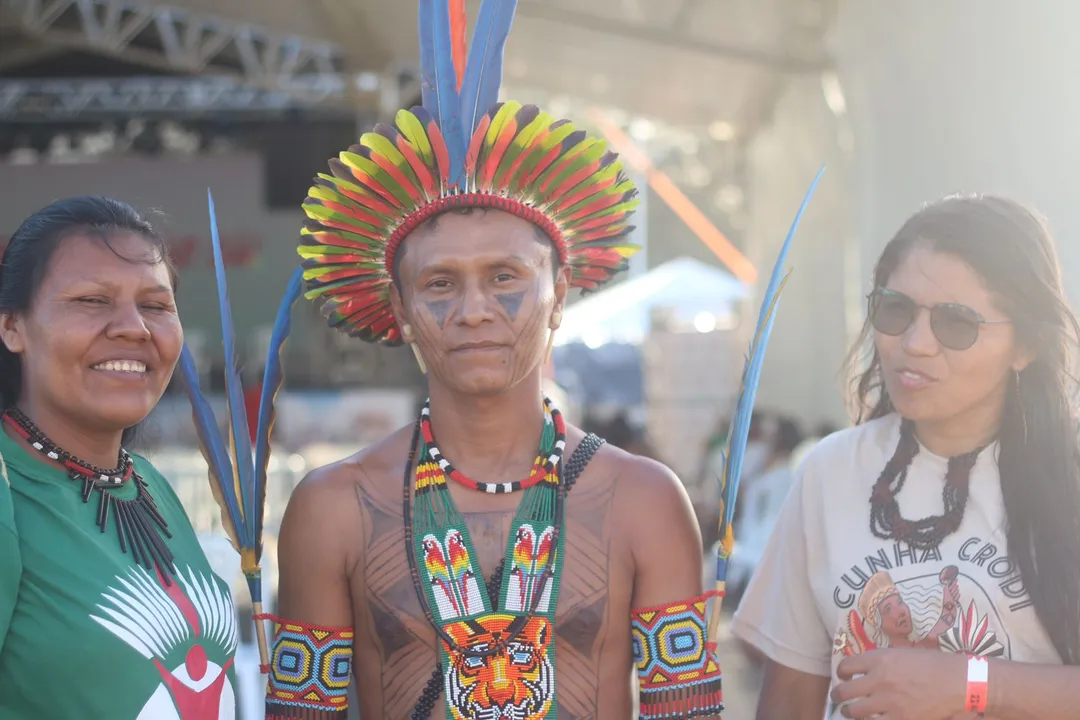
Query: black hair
[[26, 259], [432, 223], [1010, 248]]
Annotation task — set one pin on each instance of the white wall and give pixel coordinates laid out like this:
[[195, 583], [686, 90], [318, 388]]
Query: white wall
[[962, 95], [802, 373]]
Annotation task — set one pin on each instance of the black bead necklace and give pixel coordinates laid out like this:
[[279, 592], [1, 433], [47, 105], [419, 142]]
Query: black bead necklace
[[139, 524], [887, 523]]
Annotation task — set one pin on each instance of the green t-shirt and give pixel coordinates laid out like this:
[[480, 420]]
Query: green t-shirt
[[86, 633]]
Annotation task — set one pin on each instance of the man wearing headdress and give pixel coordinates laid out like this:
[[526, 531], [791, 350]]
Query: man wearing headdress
[[491, 560]]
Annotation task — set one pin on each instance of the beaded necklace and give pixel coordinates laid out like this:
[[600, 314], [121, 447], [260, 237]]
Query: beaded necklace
[[887, 523], [483, 639], [139, 524]]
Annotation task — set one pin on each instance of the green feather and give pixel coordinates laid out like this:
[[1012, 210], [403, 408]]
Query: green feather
[[413, 131], [369, 167], [382, 145], [590, 150], [518, 145]]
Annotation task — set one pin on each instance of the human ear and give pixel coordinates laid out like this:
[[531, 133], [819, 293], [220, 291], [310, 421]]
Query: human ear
[[11, 332], [1022, 357], [562, 289], [397, 305]]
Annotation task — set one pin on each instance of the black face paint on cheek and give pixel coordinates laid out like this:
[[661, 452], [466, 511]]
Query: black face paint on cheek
[[511, 302], [439, 309]]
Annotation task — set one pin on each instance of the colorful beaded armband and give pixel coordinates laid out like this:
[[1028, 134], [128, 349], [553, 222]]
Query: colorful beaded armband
[[310, 670], [677, 668]]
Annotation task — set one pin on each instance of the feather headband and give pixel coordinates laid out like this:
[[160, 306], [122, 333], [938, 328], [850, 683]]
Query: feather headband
[[461, 148]]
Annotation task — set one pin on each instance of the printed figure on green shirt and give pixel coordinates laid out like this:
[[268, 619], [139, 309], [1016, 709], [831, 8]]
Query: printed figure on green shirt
[[108, 606]]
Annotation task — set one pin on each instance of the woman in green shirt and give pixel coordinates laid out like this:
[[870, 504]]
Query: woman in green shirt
[[108, 606]]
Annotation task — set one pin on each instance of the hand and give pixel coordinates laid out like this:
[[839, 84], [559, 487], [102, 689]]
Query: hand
[[902, 684]]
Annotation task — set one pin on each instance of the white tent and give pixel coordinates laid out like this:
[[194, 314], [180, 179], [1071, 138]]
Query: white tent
[[693, 292]]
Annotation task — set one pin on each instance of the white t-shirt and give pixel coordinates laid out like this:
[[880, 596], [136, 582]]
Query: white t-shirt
[[827, 587]]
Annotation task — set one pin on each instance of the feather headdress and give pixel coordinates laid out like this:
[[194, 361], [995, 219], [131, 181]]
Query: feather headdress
[[461, 148], [738, 431], [237, 469]]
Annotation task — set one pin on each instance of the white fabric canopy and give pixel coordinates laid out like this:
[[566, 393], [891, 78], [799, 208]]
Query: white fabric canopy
[[686, 287]]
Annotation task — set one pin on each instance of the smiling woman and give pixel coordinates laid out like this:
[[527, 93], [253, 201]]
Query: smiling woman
[[97, 558]]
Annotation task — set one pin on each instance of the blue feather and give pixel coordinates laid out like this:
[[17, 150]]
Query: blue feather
[[484, 70], [740, 426], [272, 377], [217, 455], [439, 92], [239, 433]]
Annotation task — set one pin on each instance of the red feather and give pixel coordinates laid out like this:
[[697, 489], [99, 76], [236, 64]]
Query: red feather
[[354, 213], [365, 199], [457, 39], [396, 173], [442, 155], [427, 180], [347, 227], [375, 186], [474, 146], [495, 154], [326, 238]]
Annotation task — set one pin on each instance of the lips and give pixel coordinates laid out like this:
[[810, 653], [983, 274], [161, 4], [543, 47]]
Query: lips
[[478, 346], [911, 379]]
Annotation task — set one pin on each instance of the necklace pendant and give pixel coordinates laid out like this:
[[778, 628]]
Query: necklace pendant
[[87, 485], [104, 505]]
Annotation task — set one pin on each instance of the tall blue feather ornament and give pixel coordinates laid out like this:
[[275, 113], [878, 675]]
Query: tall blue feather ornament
[[439, 86], [484, 70], [237, 470], [739, 430]]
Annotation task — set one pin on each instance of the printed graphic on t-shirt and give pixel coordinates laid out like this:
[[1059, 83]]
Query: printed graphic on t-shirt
[[187, 629], [901, 597], [925, 611]]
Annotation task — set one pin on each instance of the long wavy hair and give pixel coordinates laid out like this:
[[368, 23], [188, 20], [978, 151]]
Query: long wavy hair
[[1010, 248]]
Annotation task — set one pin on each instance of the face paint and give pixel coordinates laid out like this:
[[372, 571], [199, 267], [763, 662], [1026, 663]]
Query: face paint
[[511, 302], [439, 309]]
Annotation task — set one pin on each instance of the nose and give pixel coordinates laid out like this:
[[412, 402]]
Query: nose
[[476, 306], [919, 338], [127, 323]]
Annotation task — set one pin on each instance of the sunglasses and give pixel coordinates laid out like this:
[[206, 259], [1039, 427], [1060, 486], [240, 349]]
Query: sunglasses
[[955, 326]]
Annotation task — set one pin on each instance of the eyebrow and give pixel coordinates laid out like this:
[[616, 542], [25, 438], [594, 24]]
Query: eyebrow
[[450, 264], [112, 284]]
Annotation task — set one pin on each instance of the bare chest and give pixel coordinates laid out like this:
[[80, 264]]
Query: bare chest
[[396, 648]]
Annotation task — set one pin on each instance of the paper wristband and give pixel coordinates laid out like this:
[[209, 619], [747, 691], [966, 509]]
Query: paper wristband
[[310, 670], [978, 677]]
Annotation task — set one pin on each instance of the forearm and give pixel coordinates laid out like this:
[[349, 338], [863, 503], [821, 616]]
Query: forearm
[[1023, 691]]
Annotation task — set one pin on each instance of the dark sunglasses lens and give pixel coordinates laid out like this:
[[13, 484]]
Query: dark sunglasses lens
[[955, 326], [891, 314]]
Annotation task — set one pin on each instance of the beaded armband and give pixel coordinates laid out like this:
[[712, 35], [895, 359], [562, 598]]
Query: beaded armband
[[677, 668], [310, 670]]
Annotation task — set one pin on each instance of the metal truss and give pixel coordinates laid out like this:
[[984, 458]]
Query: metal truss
[[78, 98], [173, 39]]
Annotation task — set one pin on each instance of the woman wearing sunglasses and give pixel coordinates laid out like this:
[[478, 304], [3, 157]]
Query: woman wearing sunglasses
[[926, 565]]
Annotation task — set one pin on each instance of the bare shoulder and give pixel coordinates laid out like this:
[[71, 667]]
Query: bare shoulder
[[644, 485], [323, 510]]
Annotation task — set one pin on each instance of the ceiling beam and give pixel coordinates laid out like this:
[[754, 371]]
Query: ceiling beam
[[780, 62]]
